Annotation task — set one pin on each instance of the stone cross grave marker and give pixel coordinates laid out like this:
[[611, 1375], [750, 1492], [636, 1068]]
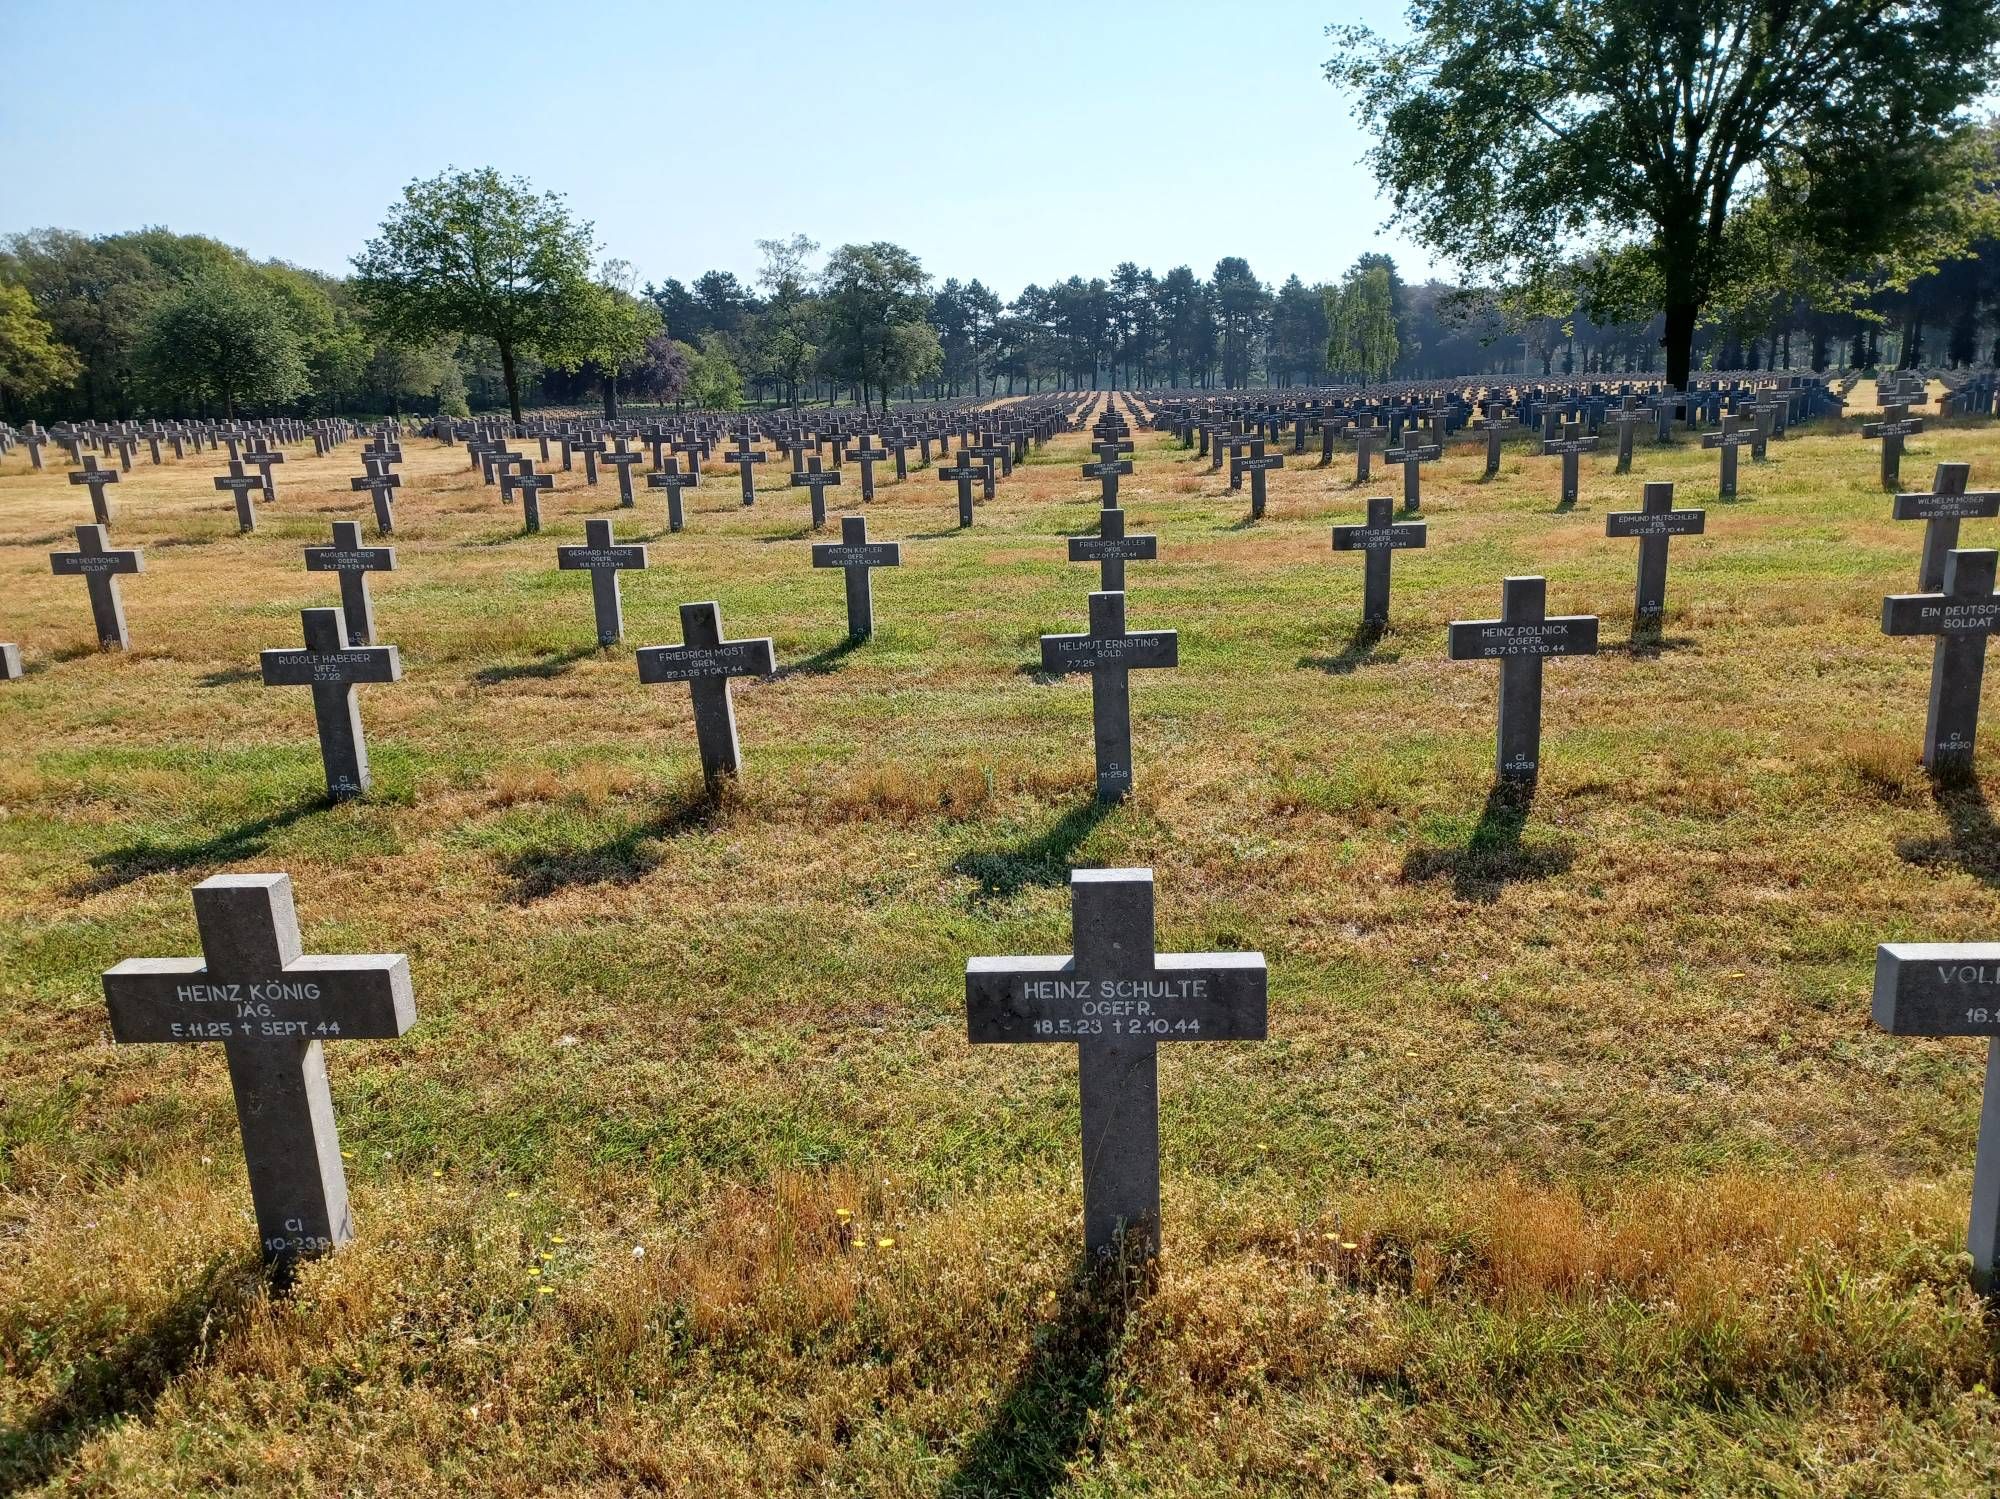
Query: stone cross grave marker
[[1953, 989], [531, 485], [1379, 539], [816, 479], [670, 478], [244, 488], [1963, 616], [1499, 422], [261, 455], [271, 1004], [1626, 416], [1111, 549], [380, 486], [745, 456], [706, 662], [1365, 436], [96, 478], [99, 567], [353, 562], [1941, 510], [603, 558], [1519, 639], [1413, 455], [988, 452], [331, 666], [962, 473], [867, 456], [1111, 655], [1117, 998], [858, 557], [1256, 464], [1896, 424], [1107, 468], [622, 460], [590, 446], [1569, 445], [1654, 523], [1732, 436]]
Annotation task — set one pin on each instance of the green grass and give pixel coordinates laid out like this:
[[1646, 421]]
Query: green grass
[[1572, 1163]]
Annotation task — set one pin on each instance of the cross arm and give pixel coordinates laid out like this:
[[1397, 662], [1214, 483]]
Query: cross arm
[[1141, 548], [1938, 988], [1496, 639], [1939, 614], [320, 996], [289, 666], [1066, 653], [1186, 997], [687, 663]]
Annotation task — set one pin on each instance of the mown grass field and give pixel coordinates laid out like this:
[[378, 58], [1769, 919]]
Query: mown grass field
[[1572, 1164]]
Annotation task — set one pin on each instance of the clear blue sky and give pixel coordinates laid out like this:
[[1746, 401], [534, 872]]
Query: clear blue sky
[[1016, 143]]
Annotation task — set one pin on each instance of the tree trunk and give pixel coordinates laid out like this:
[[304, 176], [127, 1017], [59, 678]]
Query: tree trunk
[[1679, 342], [509, 374], [611, 395]]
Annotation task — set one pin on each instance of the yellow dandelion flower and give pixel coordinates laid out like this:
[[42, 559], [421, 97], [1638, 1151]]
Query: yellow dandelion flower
[[534, 1269], [885, 1243], [557, 1239], [512, 1195], [1349, 1245], [545, 1290]]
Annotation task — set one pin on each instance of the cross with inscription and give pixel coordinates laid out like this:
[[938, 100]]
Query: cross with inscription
[[603, 558], [867, 457], [1111, 655], [1896, 424], [673, 481], [1953, 989], [1963, 615], [898, 444], [590, 446], [1413, 455], [988, 453], [745, 456], [99, 567], [331, 666], [353, 562], [1107, 468], [963, 473], [261, 455], [858, 557], [1732, 436], [1941, 510], [816, 479], [270, 1004], [1569, 445], [1519, 639], [1655, 523], [531, 485], [1626, 416], [622, 460], [1111, 549], [1378, 540], [706, 662], [1117, 998], [1256, 464], [244, 487], [1497, 424], [381, 487], [96, 478], [1365, 436]]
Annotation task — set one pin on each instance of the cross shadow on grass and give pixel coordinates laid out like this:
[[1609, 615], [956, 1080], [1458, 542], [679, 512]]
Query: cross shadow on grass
[[1042, 1424], [1649, 640], [1493, 857], [938, 535], [551, 663], [127, 1381], [627, 855], [1971, 840], [1359, 651], [144, 856], [1044, 859], [821, 662], [230, 676]]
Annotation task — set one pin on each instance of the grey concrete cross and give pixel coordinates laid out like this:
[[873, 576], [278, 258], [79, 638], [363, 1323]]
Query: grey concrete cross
[[816, 479], [1111, 549], [1111, 655], [1116, 998], [1732, 436], [603, 558], [1569, 445], [271, 1005], [353, 562], [858, 557], [245, 488], [99, 567], [96, 478], [331, 667], [381, 486], [1896, 424], [963, 473], [1655, 523], [1941, 510], [1378, 540], [1519, 640], [1963, 617], [670, 478], [706, 662]]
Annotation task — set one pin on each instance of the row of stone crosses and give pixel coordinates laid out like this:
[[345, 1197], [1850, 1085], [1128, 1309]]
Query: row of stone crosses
[[272, 1006]]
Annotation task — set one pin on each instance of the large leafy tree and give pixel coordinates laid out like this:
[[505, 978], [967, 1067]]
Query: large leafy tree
[[876, 304], [224, 338], [1512, 134], [31, 361], [477, 254]]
